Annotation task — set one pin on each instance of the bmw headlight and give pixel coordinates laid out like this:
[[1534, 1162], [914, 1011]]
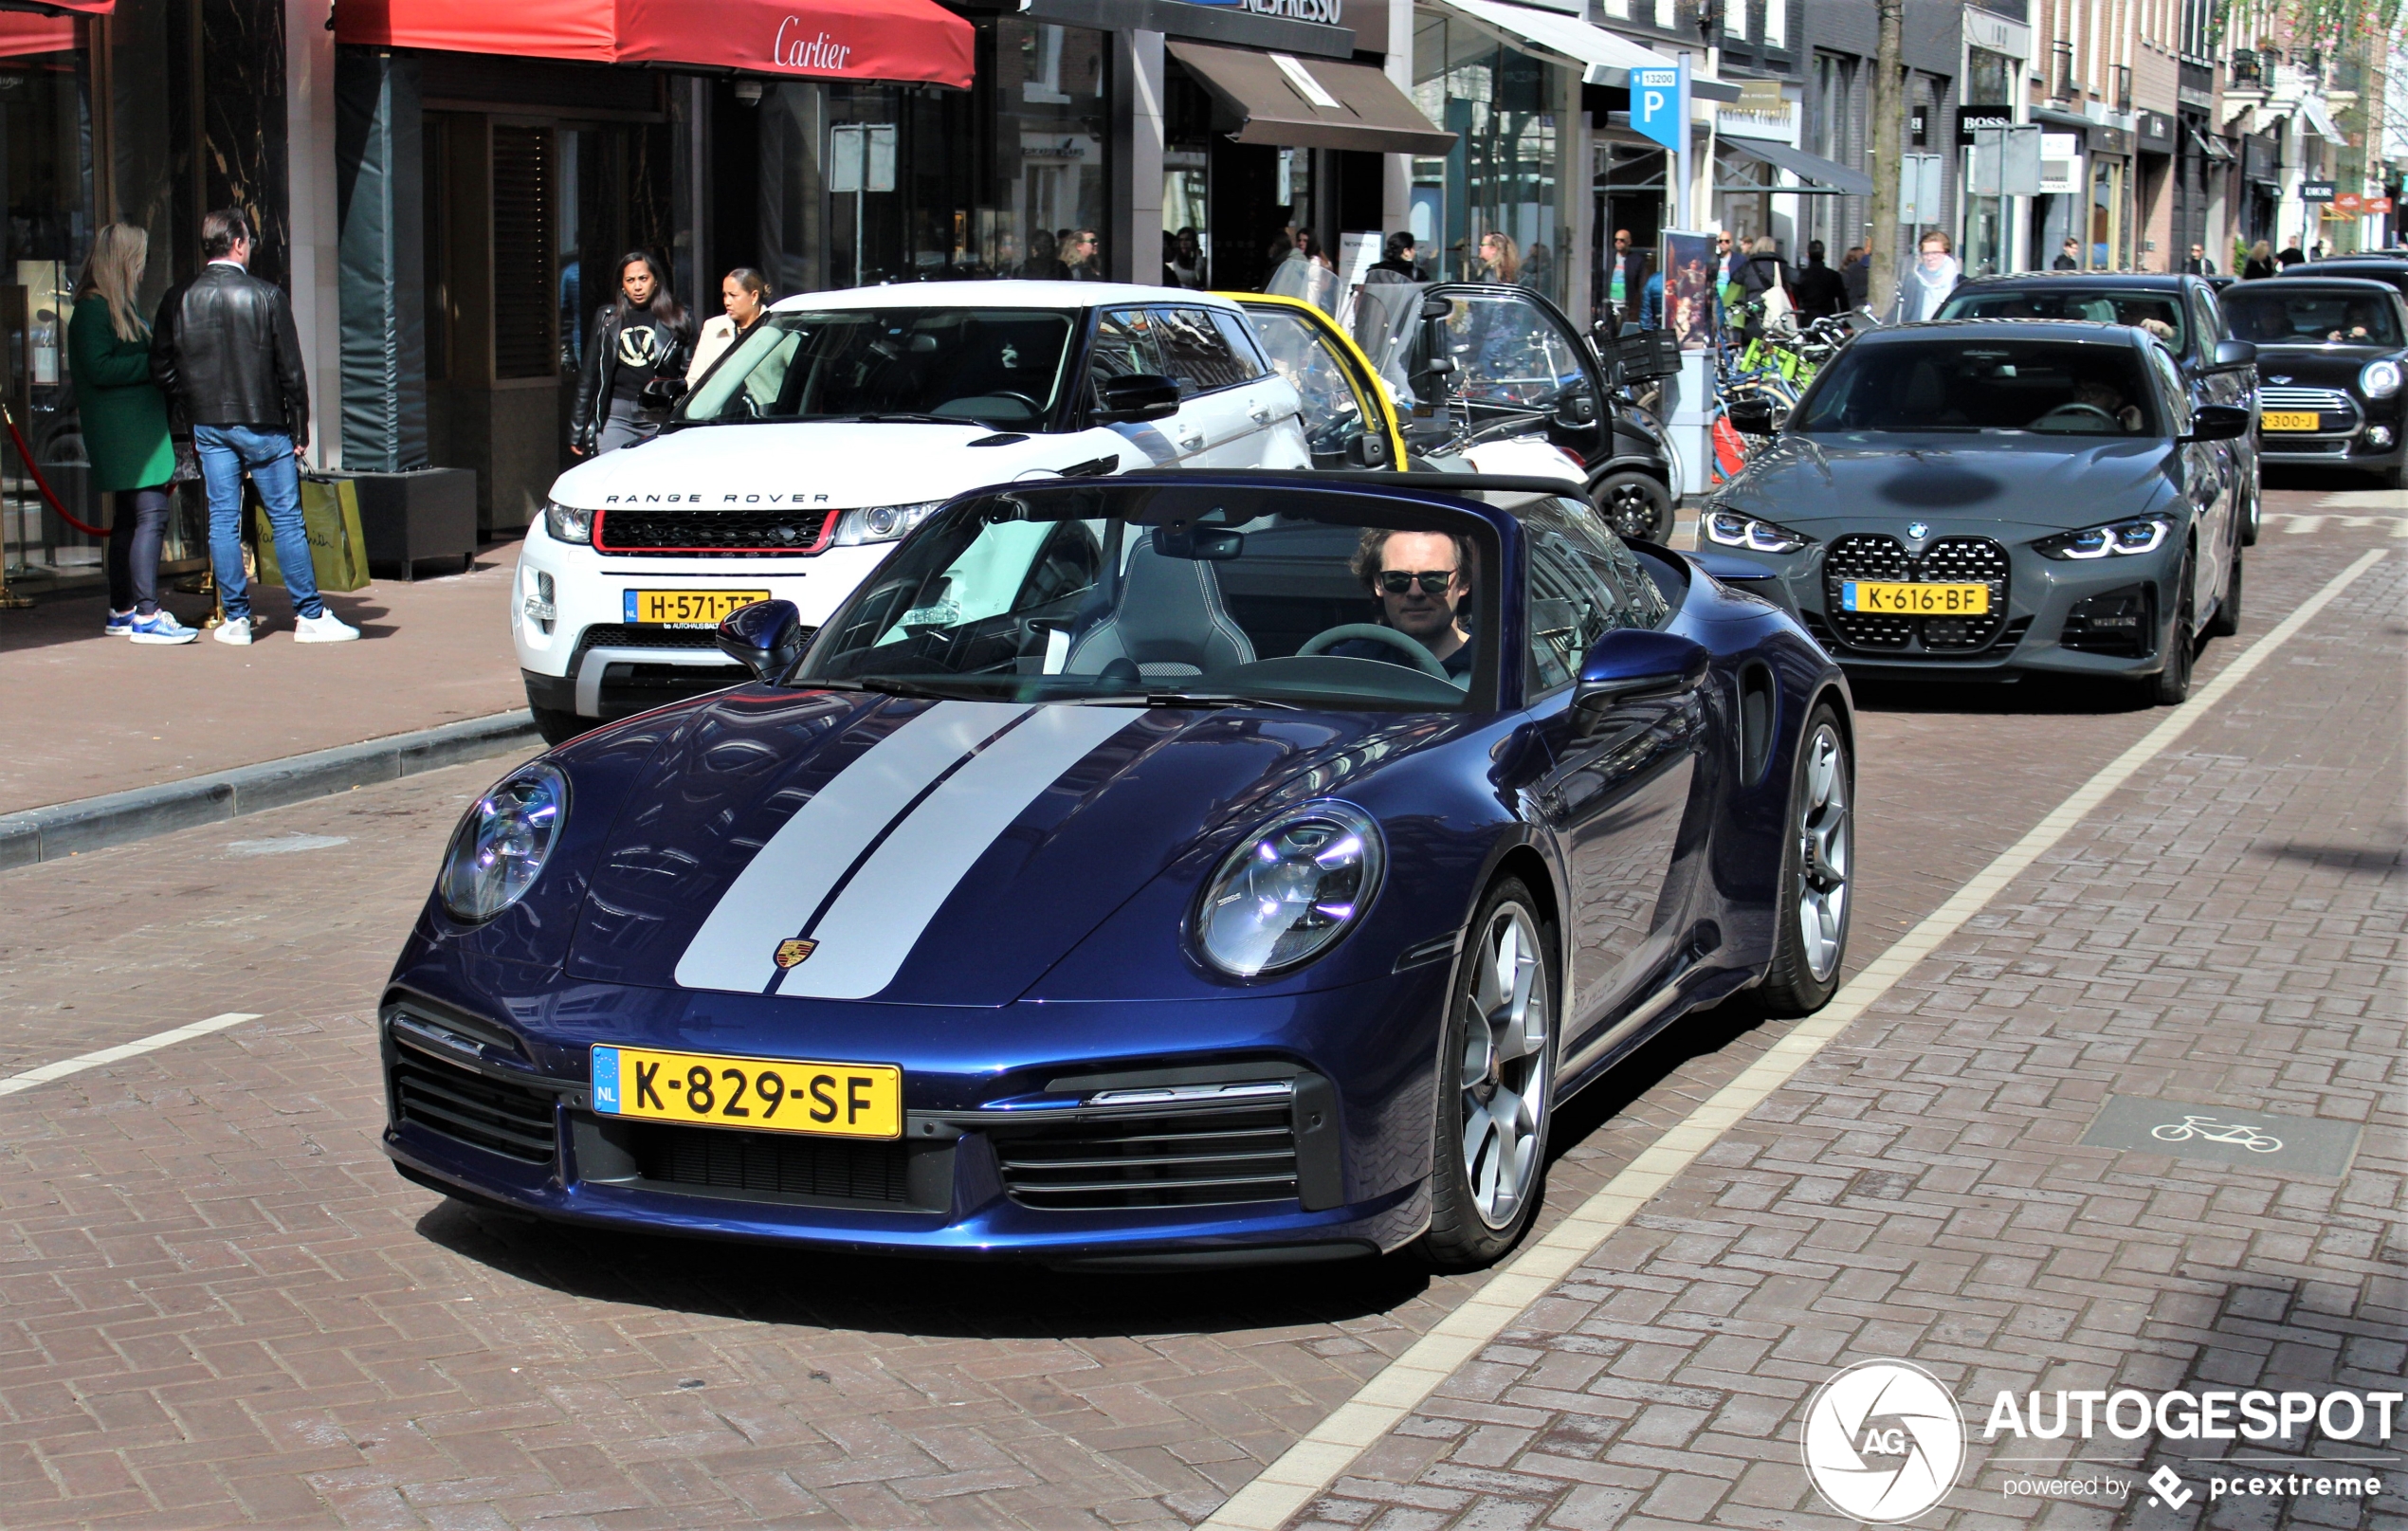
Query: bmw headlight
[[2379, 379], [881, 523], [498, 849], [568, 523], [1287, 891], [1733, 530], [2144, 535]]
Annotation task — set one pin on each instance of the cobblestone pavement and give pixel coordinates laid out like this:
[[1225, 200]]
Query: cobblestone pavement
[[219, 1306]]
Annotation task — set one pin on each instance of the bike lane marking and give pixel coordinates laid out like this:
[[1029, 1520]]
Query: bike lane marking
[[1325, 1451], [28, 1078]]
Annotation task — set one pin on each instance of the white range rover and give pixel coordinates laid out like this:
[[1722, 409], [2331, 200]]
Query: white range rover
[[800, 458]]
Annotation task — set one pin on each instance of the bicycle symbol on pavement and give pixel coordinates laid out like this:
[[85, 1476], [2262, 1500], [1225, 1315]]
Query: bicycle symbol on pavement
[[2209, 1130]]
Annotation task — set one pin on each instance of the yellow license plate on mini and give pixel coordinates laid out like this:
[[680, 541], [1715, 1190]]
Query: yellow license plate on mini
[[2288, 419], [687, 607], [830, 1099], [1892, 598]]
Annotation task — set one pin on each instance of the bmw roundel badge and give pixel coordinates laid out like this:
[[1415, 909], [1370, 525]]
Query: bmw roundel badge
[[1918, 529], [793, 954]]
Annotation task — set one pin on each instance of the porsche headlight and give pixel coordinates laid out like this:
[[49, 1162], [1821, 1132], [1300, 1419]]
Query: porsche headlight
[[498, 849], [881, 523], [568, 523], [2379, 379], [1287, 891], [1733, 530], [2144, 535]]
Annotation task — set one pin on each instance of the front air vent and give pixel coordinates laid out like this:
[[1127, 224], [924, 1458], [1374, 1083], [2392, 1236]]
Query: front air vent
[[823, 1169], [513, 1121], [1174, 1158]]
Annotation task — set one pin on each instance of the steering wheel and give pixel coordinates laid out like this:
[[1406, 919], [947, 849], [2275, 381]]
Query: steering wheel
[[1405, 644], [1033, 408], [2065, 410]]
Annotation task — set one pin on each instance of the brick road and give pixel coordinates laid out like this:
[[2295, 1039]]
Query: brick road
[[222, 1307]]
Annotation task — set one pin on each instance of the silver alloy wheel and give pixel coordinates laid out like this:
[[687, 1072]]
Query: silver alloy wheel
[[1505, 1048], [1824, 840]]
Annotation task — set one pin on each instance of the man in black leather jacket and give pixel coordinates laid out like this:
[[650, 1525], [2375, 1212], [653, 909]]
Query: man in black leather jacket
[[224, 352]]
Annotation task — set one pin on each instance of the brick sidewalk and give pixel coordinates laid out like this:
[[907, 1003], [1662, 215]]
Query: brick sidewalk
[[100, 715], [2226, 932]]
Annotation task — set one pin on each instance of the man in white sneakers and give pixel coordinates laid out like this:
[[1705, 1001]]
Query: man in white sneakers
[[225, 352]]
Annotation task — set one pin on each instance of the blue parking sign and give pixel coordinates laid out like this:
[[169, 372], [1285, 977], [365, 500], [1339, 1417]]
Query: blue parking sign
[[1658, 105]]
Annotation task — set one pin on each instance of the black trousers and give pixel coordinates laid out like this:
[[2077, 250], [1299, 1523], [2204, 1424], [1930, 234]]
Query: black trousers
[[136, 532]]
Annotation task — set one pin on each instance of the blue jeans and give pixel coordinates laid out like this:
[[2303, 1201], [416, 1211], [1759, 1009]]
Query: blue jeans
[[227, 452]]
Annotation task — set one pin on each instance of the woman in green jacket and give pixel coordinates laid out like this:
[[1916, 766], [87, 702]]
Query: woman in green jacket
[[125, 429]]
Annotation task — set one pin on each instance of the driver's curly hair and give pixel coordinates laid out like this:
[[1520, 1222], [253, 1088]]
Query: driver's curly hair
[[1365, 563]]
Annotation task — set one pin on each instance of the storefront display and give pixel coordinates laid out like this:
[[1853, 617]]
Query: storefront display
[[1512, 171]]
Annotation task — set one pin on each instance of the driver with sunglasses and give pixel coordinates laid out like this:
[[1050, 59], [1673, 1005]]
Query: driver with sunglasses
[[1420, 581]]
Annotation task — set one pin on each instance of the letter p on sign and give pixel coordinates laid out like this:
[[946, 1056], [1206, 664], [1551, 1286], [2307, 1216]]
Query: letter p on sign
[[1655, 105]]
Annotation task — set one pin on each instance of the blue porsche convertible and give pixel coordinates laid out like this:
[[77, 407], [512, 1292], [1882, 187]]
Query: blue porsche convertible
[[1168, 868]]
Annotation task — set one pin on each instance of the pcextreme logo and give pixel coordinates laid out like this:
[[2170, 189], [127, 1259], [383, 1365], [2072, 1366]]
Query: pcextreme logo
[[1884, 1441]]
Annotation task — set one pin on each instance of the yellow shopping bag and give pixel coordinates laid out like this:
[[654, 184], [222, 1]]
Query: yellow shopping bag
[[338, 547]]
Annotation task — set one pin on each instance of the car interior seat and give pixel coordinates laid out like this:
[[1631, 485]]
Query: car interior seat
[[1169, 621]]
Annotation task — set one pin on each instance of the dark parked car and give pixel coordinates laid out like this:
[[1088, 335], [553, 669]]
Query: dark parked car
[[2181, 311], [2331, 351], [1983, 498]]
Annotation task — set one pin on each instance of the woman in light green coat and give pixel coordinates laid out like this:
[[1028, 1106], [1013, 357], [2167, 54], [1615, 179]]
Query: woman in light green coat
[[124, 430]]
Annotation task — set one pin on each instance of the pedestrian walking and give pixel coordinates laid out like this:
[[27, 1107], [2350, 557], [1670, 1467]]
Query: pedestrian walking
[[1395, 259], [225, 352], [1856, 275], [1820, 291], [1500, 259], [743, 293], [1044, 263], [1627, 280], [2198, 265], [125, 433], [2260, 262], [1928, 281], [1187, 263], [1764, 277], [2069, 257], [1083, 252], [2291, 255], [639, 337]]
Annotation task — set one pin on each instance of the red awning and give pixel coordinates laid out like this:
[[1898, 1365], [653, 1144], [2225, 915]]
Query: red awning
[[21, 34], [911, 41]]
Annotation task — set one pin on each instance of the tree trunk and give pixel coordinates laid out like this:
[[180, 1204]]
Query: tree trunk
[[1890, 121]]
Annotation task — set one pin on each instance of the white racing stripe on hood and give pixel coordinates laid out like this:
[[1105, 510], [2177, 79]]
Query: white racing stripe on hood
[[883, 912], [795, 870]]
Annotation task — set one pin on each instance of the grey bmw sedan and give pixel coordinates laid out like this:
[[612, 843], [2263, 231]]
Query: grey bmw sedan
[[1979, 499]]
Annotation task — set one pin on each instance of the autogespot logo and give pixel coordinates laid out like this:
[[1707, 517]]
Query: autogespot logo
[[1884, 1441]]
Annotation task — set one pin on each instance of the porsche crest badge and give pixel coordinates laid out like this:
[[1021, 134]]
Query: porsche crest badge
[[793, 954]]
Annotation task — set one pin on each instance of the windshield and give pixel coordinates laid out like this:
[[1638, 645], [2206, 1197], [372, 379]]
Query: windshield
[[1134, 593], [982, 366], [2311, 318], [1496, 350], [2159, 313], [2052, 386]]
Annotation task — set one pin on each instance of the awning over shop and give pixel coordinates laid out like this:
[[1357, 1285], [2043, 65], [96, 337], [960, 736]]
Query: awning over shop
[[1311, 103], [1604, 58], [51, 31], [2313, 112], [1811, 168], [2058, 117], [2213, 147], [911, 41]]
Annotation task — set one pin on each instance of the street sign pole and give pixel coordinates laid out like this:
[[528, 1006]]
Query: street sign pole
[[1681, 129]]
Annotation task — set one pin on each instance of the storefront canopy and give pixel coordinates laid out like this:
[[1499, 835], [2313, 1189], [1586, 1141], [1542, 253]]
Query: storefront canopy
[[910, 40], [50, 30], [2313, 112], [1813, 169], [1311, 103], [1604, 58]]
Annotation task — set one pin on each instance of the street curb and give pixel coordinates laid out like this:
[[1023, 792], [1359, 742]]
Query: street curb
[[93, 823]]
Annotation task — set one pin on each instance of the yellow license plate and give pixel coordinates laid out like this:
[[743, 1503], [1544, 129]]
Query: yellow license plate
[[2288, 419], [687, 608], [1914, 600], [758, 1094]]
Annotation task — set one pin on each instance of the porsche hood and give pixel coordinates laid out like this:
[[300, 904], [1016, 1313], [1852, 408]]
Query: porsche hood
[[834, 847], [2043, 483]]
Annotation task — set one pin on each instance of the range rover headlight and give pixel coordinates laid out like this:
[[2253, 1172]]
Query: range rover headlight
[[1286, 893], [2144, 535], [1733, 530], [881, 523], [2379, 379], [498, 849], [568, 523]]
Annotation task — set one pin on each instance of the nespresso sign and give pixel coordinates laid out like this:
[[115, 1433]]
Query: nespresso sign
[[1321, 13]]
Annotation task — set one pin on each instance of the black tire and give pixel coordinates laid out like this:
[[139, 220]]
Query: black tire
[[2254, 520], [2171, 687], [1804, 972], [1473, 1223], [2395, 477], [2227, 620], [558, 727], [1634, 504]]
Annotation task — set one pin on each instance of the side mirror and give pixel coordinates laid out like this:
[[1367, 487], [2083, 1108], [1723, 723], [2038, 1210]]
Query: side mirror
[[1135, 397], [1434, 307], [1367, 450], [766, 637], [2232, 355], [1575, 408], [1753, 417], [1634, 662], [2219, 422]]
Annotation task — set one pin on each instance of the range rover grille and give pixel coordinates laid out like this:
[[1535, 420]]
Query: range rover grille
[[707, 533]]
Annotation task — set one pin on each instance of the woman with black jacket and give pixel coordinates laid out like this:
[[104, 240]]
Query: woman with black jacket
[[639, 339]]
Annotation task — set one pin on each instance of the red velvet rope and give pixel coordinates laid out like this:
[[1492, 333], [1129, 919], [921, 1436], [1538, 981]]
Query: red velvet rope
[[43, 485]]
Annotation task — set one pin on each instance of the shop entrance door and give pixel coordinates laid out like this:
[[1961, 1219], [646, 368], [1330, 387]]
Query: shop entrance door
[[1243, 189]]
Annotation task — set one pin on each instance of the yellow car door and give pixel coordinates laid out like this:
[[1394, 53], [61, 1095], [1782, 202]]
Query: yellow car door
[[1349, 420]]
